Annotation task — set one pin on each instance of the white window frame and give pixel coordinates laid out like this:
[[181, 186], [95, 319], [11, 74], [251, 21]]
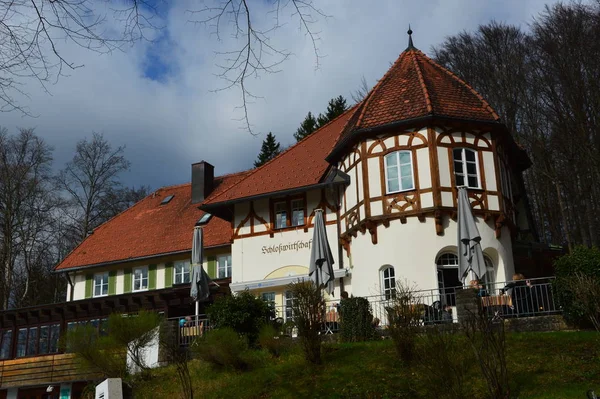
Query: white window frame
[[103, 283], [276, 212], [398, 168], [463, 160], [288, 301], [144, 269], [226, 268], [294, 206], [181, 269], [384, 274]]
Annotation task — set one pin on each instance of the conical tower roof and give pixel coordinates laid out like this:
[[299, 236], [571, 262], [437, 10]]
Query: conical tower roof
[[414, 87]]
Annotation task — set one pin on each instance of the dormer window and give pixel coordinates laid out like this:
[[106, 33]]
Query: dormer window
[[398, 172], [466, 169], [289, 213]]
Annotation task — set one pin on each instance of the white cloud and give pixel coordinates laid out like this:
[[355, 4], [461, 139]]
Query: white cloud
[[168, 124]]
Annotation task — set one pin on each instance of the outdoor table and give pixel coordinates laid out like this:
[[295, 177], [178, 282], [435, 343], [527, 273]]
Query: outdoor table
[[497, 300]]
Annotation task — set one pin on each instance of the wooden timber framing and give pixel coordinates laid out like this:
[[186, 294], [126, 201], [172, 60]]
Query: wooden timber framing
[[402, 205]]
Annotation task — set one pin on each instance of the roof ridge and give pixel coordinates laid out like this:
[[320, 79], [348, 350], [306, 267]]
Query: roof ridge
[[422, 82], [212, 194], [343, 127], [226, 175], [255, 170], [455, 77]]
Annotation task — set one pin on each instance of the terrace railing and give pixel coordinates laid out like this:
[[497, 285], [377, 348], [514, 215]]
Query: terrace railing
[[526, 298], [189, 328]]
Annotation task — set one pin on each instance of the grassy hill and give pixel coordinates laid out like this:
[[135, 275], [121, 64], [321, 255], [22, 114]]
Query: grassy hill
[[559, 365]]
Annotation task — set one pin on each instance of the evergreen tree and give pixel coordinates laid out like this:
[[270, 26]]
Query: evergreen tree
[[269, 150], [335, 108], [308, 126]]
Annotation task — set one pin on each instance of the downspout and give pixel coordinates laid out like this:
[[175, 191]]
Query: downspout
[[338, 206]]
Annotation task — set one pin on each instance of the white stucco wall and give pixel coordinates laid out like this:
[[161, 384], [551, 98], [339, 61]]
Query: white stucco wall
[[254, 258], [160, 276], [412, 249], [120, 285], [79, 281]]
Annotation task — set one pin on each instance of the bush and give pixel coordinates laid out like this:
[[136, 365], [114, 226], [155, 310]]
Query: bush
[[308, 309], [244, 313], [356, 320], [272, 341], [582, 262], [446, 364], [404, 317], [120, 353], [222, 348]]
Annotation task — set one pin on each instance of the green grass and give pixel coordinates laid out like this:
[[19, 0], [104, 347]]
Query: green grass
[[559, 365]]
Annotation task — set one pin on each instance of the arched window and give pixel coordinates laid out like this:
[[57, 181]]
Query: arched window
[[398, 172], [466, 168], [448, 278], [388, 281]]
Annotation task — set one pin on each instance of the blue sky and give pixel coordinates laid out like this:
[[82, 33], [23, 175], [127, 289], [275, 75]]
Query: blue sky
[[158, 98]]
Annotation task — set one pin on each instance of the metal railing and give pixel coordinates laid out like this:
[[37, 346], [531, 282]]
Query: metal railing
[[189, 328], [525, 298]]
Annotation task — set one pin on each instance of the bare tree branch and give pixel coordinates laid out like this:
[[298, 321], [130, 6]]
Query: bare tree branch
[[255, 54]]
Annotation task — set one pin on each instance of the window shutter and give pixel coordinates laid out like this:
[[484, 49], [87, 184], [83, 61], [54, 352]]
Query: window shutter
[[89, 285], [212, 266], [127, 281], [112, 282], [168, 274], [152, 277]]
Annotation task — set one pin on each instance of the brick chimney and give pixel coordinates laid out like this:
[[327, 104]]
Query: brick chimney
[[203, 176]]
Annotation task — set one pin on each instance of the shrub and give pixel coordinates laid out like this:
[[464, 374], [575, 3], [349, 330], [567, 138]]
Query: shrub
[[445, 363], [308, 308], [356, 320], [222, 348], [586, 294], [244, 313], [583, 262], [404, 317], [120, 353], [272, 341]]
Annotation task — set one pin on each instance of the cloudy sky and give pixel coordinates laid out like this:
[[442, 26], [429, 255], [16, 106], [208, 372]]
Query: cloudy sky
[[159, 100]]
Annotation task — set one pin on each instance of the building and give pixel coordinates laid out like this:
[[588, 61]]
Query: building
[[385, 173], [137, 260]]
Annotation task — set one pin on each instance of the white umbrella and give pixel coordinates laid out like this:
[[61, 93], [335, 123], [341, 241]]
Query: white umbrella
[[470, 255], [321, 259], [200, 280]]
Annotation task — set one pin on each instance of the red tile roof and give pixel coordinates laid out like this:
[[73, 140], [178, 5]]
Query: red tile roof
[[416, 86], [150, 229], [413, 87], [301, 165]]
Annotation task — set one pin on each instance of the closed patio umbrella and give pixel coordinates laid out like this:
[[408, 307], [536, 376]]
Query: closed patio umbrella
[[200, 280], [321, 259], [470, 255]]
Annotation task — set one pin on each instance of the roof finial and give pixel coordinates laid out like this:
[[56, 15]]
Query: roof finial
[[410, 42]]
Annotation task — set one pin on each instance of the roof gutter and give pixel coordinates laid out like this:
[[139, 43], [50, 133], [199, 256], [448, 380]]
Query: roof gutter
[[115, 262], [334, 178], [357, 134]]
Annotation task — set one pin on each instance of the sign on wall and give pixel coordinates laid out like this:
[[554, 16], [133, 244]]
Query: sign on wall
[[291, 246]]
